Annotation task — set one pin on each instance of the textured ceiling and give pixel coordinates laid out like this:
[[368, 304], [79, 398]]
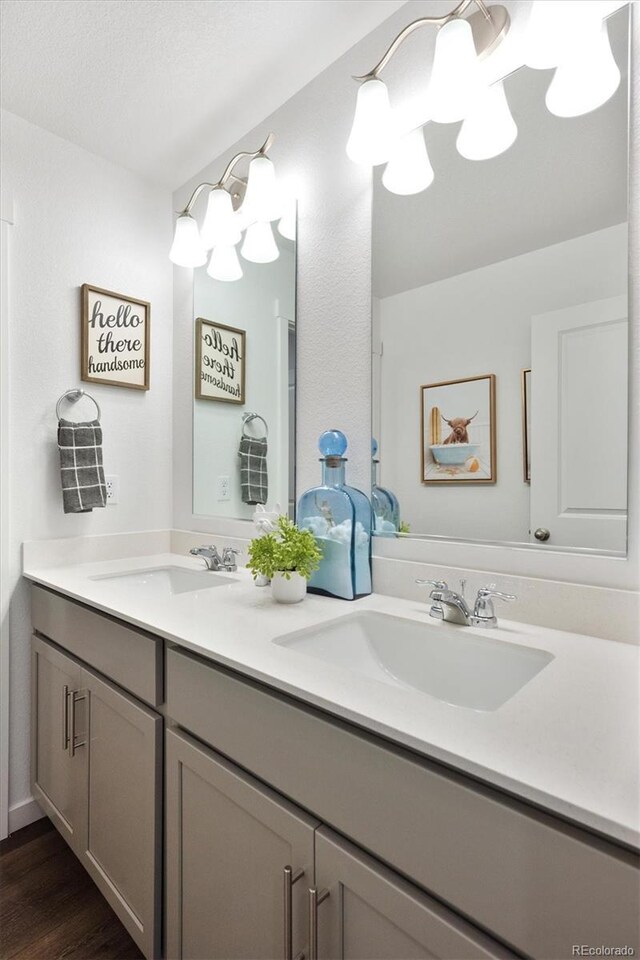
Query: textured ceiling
[[164, 86]]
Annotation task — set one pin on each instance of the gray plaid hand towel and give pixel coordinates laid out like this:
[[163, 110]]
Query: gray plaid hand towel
[[81, 469], [253, 469]]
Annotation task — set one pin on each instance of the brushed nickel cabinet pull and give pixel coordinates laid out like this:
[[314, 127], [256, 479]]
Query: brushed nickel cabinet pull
[[315, 899], [65, 717], [75, 697], [289, 879]]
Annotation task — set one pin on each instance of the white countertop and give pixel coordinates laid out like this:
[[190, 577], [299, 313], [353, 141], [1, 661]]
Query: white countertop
[[567, 741]]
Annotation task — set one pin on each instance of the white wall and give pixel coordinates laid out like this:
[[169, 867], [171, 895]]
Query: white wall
[[475, 323], [78, 218], [261, 303]]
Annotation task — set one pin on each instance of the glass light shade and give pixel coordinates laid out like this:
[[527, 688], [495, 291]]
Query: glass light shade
[[262, 199], [220, 227], [489, 129], [373, 132], [409, 169], [259, 244], [455, 76], [224, 264], [555, 28], [287, 225], [187, 249], [587, 79]]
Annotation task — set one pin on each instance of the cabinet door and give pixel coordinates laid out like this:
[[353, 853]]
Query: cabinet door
[[229, 842], [371, 913], [124, 795], [58, 772]]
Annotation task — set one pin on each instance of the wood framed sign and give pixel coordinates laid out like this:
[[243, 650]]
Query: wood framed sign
[[458, 431], [115, 339], [220, 362]]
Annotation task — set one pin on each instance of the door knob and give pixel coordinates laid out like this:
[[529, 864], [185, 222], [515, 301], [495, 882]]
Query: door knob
[[542, 534]]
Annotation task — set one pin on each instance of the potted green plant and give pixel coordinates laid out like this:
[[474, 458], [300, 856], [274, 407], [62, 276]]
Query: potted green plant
[[288, 557]]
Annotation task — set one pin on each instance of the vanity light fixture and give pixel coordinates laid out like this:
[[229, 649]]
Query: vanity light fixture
[[409, 169], [454, 82], [587, 78], [259, 244], [235, 206], [489, 129], [568, 35], [224, 264]]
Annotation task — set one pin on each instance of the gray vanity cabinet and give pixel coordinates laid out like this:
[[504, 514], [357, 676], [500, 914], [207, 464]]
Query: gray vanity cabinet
[[239, 861], [122, 851], [58, 777], [96, 771], [365, 910]]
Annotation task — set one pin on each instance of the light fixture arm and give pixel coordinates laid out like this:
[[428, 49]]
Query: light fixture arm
[[228, 173], [458, 11]]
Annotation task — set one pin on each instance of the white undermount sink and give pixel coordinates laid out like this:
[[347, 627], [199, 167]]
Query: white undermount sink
[[448, 663], [168, 580]]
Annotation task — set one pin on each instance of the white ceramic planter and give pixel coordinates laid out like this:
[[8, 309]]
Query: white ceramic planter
[[288, 591]]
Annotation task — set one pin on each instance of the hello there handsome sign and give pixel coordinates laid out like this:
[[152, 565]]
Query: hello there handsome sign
[[220, 362], [115, 339]]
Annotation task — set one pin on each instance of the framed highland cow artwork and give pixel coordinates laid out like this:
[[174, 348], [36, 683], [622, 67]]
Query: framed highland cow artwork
[[458, 431]]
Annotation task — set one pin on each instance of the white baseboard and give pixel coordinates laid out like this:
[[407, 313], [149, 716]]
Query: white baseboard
[[24, 813]]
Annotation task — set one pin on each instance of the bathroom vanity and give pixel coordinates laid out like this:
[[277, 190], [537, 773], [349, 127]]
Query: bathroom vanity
[[271, 822]]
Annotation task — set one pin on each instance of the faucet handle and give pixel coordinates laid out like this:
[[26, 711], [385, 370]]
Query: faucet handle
[[437, 584], [483, 612], [484, 593]]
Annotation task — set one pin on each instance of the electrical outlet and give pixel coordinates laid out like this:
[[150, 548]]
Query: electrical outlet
[[224, 488], [113, 490]]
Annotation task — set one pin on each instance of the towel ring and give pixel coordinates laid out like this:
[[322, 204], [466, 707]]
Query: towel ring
[[73, 396], [247, 418]]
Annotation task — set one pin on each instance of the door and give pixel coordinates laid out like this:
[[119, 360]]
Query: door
[[362, 910], [579, 403], [239, 861], [122, 852], [58, 748]]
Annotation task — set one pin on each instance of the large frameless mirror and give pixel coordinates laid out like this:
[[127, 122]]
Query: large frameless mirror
[[500, 332], [244, 387]]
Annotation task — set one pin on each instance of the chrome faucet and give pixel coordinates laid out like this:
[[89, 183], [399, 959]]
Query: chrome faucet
[[213, 559], [453, 608], [229, 559]]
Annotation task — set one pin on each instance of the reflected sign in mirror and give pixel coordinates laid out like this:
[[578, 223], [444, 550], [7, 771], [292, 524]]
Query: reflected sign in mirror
[[511, 264], [244, 388]]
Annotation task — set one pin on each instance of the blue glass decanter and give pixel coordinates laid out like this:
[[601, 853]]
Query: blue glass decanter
[[340, 518], [386, 509]]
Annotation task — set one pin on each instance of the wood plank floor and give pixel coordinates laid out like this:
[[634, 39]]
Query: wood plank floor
[[50, 909]]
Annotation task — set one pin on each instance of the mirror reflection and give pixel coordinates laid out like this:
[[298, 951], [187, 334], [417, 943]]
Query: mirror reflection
[[244, 396], [500, 333]]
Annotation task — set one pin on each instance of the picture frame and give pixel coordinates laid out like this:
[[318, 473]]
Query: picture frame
[[115, 339], [220, 362], [459, 447], [526, 424]]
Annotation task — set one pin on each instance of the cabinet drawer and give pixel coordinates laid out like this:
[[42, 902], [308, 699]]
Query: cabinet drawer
[[130, 658], [537, 883]]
